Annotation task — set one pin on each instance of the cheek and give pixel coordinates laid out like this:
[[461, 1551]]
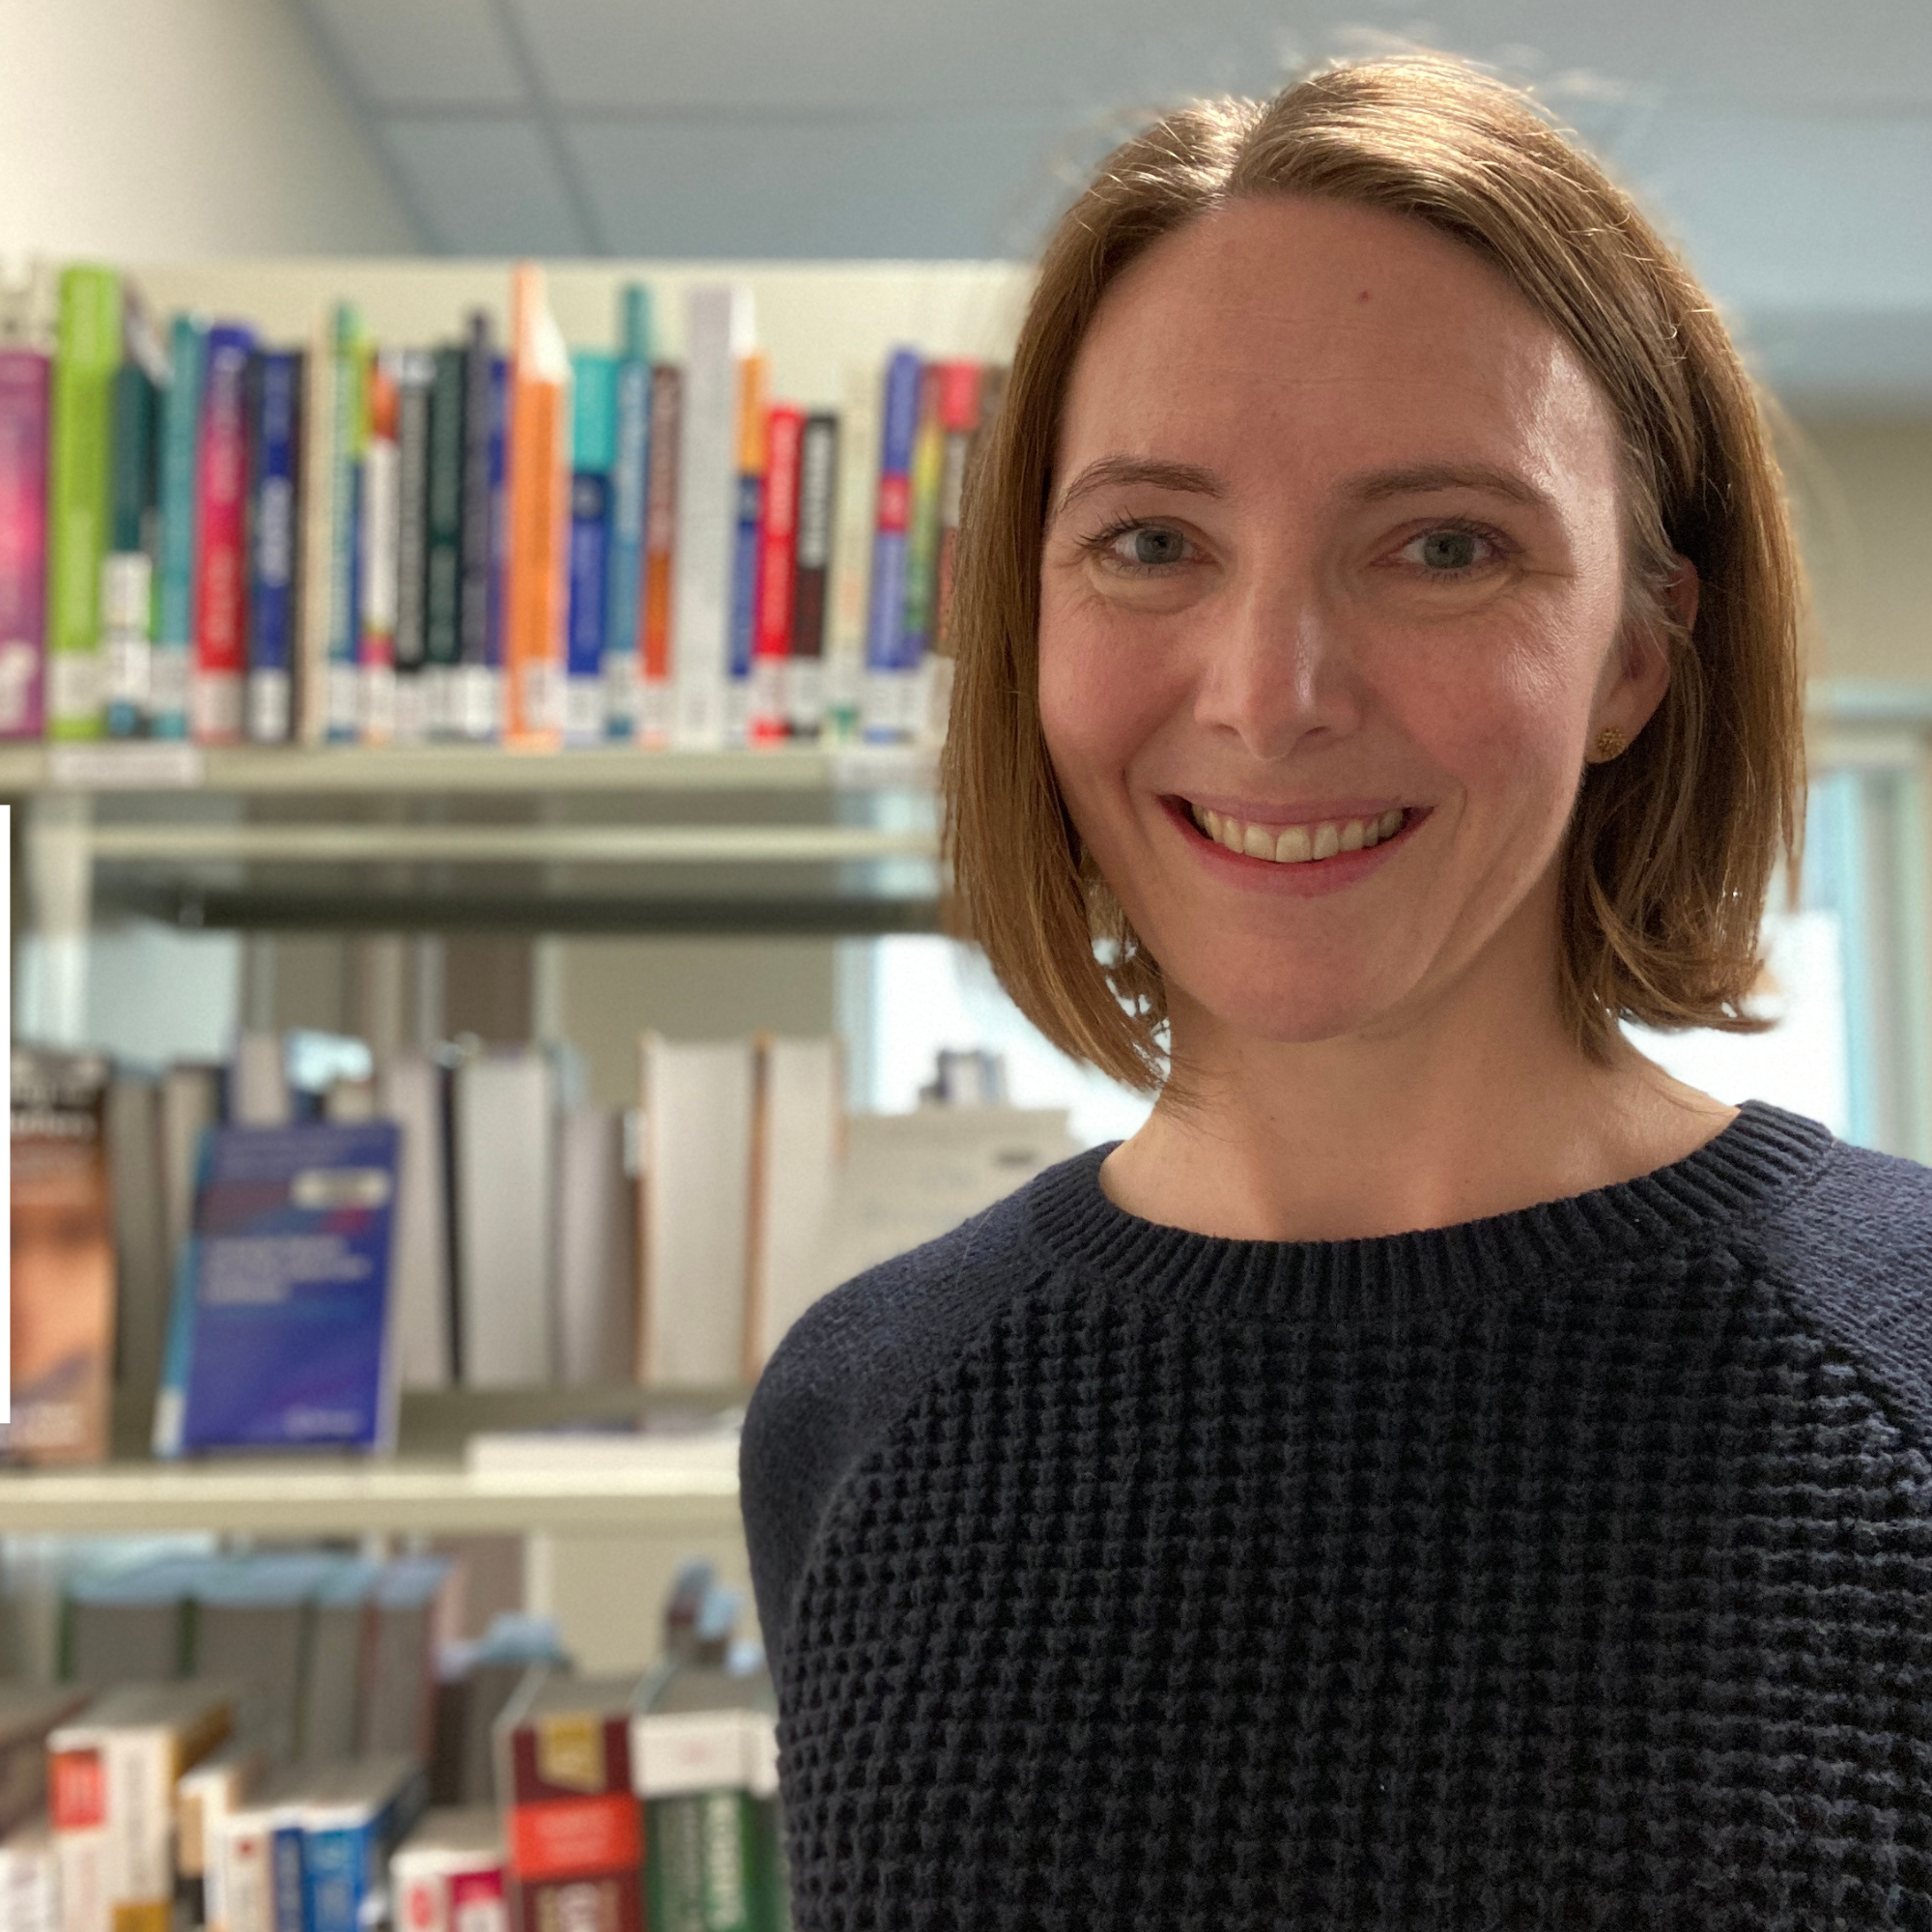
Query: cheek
[[1098, 705]]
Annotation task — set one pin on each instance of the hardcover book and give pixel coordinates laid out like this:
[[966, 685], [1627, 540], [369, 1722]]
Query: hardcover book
[[274, 414], [655, 703], [784, 435], [24, 374], [888, 669], [811, 574], [593, 381], [128, 571], [629, 479], [221, 570], [746, 546], [539, 481]]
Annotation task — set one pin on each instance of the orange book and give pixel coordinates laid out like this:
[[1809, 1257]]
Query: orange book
[[539, 513], [660, 554]]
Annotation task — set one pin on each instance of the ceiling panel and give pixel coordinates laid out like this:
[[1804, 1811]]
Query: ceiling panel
[[486, 185], [965, 186], [421, 52]]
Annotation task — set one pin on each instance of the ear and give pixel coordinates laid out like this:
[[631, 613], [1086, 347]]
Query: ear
[[1637, 671]]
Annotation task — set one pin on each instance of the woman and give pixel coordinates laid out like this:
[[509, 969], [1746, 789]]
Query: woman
[[1441, 1472]]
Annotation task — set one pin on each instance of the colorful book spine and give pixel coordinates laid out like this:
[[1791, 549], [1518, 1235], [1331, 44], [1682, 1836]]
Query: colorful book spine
[[888, 671], [539, 508], [86, 354], [784, 437], [811, 574], [25, 379], [128, 572], [496, 604], [476, 690], [274, 448], [959, 392], [921, 583], [442, 564], [630, 494], [852, 546], [593, 381], [349, 445], [746, 546], [221, 570], [415, 372], [655, 703], [380, 503], [316, 619], [718, 335]]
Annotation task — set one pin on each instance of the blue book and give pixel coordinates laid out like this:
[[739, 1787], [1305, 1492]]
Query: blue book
[[290, 1880], [887, 706], [353, 1820], [279, 1334], [174, 599], [747, 544], [593, 444], [630, 486], [488, 722], [274, 404]]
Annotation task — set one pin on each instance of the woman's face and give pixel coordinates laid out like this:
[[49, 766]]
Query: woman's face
[[1333, 577]]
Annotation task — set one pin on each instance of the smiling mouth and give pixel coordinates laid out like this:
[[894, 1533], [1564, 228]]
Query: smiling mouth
[[1298, 845]]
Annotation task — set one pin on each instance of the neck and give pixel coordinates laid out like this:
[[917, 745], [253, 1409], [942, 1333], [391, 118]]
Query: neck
[[1480, 1102]]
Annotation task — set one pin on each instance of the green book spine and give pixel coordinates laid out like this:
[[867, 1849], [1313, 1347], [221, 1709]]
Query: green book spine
[[126, 573], [702, 1864], [86, 354], [442, 567]]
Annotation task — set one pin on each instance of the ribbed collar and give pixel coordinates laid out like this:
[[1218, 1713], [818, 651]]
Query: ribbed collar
[[1738, 1175]]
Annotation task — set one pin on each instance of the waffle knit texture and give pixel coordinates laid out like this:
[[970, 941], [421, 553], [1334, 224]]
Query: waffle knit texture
[[1570, 1568]]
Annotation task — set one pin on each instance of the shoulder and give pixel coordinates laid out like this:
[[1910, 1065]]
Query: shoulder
[[855, 1361], [1853, 1250]]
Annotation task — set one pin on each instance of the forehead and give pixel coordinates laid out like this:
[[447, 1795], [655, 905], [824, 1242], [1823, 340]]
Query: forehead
[[1328, 335]]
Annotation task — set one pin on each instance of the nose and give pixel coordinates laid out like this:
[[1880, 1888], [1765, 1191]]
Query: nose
[[1278, 677]]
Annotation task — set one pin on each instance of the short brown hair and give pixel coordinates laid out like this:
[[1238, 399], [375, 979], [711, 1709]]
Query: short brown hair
[[1671, 847]]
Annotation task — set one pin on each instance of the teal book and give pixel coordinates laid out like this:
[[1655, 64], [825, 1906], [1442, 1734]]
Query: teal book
[[175, 574]]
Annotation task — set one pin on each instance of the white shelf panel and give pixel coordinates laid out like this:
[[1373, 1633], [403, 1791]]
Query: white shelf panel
[[340, 1498]]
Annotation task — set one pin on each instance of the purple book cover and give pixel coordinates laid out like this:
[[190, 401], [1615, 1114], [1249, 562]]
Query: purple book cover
[[23, 540]]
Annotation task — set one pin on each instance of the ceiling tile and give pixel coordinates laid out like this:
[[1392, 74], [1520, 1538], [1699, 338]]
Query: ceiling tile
[[423, 53], [957, 187], [486, 185]]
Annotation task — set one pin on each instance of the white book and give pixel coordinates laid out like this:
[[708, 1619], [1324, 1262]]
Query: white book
[[796, 1140], [596, 1250], [695, 1195], [716, 332], [29, 1889], [852, 545], [503, 1127], [258, 1082], [410, 1090]]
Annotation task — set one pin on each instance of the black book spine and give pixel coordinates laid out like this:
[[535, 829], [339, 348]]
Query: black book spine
[[473, 617], [811, 579]]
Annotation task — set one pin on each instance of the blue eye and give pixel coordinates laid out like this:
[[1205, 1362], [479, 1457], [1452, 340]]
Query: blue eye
[[1144, 547], [1449, 549]]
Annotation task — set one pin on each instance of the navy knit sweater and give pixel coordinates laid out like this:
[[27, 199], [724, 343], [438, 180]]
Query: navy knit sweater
[[1571, 1568]]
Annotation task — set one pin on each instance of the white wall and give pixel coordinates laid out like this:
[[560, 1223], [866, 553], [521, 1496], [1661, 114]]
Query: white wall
[[137, 129]]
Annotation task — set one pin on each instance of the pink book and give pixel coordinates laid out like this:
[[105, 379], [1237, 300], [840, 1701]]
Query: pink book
[[23, 540], [784, 434], [221, 570]]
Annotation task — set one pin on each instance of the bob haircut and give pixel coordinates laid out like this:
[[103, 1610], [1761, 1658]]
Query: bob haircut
[[1672, 845]]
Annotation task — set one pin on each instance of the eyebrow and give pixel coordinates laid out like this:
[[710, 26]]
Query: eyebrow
[[1113, 471], [1419, 479]]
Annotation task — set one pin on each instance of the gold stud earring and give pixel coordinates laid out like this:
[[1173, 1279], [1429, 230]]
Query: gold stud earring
[[1610, 741]]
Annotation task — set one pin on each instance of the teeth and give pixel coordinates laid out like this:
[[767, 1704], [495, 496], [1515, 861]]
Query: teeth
[[1298, 845]]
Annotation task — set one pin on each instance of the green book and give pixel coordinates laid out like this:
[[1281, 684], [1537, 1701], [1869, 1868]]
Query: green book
[[87, 352]]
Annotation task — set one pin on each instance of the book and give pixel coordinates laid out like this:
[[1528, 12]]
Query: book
[[87, 353], [258, 1090], [923, 513], [348, 442], [694, 1205], [412, 1091], [192, 1095], [336, 1667], [770, 657], [502, 1120], [207, 1795], [656, 702], [320, 508], [221, 571], [573, 1827], [495, 690], [278, 1335], [717, 334], [133, 1129], [959, 419], [252, 1622], [127, 1624], [28, 1713], [451, 1874], [853, 535], [478, 701], [127, 570], [888, 669], [630, 480], [443, 533], [593, 384], [415, 372], [411, 1614], [811, 574], [112, 1771], [255, 1862], [274, 455], [596, 1250], [25, 375], [62, 1321], [797, 1139], [30, 1877], [539, 514], [352, 1817], [747, 546], [378, 566]]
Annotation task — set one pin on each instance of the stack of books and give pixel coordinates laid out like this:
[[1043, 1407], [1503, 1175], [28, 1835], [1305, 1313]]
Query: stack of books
[[207, 536]]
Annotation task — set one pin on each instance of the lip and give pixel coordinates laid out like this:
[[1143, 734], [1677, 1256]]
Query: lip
[[1311, 880]]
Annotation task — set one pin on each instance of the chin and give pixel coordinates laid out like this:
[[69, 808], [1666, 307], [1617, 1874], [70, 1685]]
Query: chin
[[1286, 1009]]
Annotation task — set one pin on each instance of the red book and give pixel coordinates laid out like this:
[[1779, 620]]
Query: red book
[[221, 557], [958, 423], [23, 539], [785, 436], [654, 715]]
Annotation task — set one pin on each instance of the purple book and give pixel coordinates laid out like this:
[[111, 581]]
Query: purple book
[[23, 540]]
